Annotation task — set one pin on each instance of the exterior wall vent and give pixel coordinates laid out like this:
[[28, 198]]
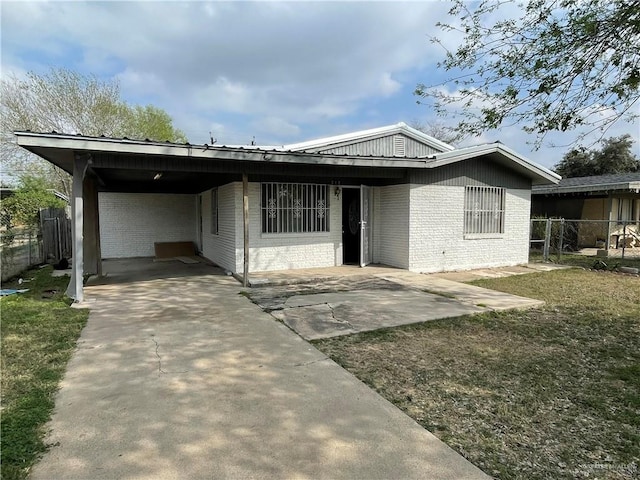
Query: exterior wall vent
[[398, 146]]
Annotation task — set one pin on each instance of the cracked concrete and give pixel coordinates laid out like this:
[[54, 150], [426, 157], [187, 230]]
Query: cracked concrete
[[329, 307], [253, 400], [324, 315]]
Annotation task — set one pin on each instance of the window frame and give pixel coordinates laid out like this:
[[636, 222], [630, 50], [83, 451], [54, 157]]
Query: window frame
[[294, 209], [484, 211], [625, 210]]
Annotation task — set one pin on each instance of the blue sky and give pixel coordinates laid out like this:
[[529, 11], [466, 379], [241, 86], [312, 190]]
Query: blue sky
[[279, 72]]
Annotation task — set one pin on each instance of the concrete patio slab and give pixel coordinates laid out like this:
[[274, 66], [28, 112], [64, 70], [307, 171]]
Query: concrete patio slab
[[179, 376], [462, 292], [366, 299], [327, 315]]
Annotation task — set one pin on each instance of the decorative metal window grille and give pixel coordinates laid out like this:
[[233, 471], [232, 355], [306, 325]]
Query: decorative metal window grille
[[214, 211], [294, 208], [483, 210]]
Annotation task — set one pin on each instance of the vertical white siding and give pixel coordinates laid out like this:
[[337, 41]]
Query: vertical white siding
[[287, 251], [221, 248], [437, 242], [130, 223], [391, 226]]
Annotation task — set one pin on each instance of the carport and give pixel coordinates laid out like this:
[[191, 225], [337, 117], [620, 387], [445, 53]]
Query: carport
[[100, 164]]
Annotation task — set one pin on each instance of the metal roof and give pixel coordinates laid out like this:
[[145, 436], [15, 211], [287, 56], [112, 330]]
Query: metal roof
[[398, 128], [622, 182], [60, 149]]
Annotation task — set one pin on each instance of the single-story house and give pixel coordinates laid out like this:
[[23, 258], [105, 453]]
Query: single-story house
[[389, 195], [612, 202]]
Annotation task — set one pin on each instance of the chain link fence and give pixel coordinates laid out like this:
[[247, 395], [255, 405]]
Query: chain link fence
[[553, 238], [24, 246], [20, 247]]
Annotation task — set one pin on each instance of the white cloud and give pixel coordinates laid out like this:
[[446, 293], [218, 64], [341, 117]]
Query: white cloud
[[287, 70], [274, 126]]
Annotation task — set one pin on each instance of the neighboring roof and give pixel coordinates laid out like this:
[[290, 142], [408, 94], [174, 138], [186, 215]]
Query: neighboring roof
[[61, 148], [362, 135], [616, 182]]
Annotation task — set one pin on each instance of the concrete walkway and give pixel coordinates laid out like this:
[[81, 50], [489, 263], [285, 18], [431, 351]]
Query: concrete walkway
[[186, 378]]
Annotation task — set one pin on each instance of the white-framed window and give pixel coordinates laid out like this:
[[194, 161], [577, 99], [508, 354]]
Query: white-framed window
[[294, 208], [214, 211], [625, 210], [483, 210]]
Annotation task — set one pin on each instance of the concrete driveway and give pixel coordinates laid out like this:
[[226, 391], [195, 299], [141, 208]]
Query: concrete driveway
[[183, 377]]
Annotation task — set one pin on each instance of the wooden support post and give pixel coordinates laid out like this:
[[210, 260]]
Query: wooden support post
[[245, 221]]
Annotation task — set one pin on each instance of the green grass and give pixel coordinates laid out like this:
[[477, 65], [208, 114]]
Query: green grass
[[552, 392], [39, 332], [585, 261]]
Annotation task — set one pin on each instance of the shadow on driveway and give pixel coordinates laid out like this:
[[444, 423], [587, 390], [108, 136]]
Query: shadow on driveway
[[186, 378]]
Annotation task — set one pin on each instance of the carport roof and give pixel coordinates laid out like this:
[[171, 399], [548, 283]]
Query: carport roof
[[131, 155]]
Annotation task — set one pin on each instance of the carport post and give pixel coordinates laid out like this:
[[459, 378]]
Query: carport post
[[245, 221], [75, 290]]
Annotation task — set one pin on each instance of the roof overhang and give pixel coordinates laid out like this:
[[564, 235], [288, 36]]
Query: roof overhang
[[502, 155], [123, 159], [60, 150]]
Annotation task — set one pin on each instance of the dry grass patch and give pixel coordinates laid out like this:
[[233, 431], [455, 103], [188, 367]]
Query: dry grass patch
[[546, 393]]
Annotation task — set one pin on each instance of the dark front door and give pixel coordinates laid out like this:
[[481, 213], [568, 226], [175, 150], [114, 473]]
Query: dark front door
[[351, 225]]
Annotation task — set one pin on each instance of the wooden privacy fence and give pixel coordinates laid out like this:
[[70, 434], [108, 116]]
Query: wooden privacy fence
[[55, 228]]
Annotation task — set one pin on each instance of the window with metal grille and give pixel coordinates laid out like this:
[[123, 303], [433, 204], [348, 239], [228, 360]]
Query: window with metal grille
[[294, 208], [483, 210], [214, 211]]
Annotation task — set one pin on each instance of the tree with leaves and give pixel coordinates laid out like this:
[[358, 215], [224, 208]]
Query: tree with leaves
[[438, 130], [554, 65], [615, 156], [23, 207], [69, 102]]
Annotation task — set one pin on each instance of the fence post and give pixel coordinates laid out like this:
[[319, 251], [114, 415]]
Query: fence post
[[624, 236], [561, 240], [547, 241]]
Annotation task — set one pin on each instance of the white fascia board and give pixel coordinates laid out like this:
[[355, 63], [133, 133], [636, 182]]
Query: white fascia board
[[373, 132], [428, 139], [440, 159], [90, 144]]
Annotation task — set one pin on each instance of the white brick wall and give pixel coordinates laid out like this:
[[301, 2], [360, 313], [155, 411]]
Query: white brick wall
[[130, 223], [288, 251], [221, 248], [436, 231], [391, 226]]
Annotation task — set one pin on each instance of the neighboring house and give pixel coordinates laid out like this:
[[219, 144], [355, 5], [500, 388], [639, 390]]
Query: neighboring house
[[389, 195], [613, 198]]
